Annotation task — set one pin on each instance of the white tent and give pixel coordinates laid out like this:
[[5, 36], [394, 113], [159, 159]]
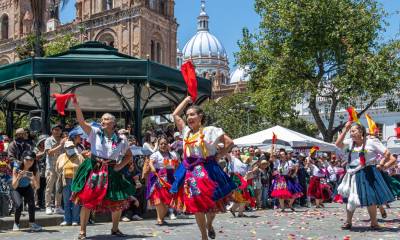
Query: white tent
[[285, 137]]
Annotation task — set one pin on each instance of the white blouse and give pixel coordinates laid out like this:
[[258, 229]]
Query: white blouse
[[374, 149], [211, 139], [238, 166], [103, 147], [158, 160]]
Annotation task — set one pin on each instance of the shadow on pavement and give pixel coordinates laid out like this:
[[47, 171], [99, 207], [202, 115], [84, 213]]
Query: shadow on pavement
[[368, 229], [42, 231], [106, 237]]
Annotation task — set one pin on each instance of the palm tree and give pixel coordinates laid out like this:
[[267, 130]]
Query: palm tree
[[37, 7]]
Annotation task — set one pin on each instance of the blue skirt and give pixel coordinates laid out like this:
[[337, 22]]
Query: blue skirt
[[371, 187]]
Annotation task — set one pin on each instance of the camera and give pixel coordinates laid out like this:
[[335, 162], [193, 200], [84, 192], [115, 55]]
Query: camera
[[28, 174]]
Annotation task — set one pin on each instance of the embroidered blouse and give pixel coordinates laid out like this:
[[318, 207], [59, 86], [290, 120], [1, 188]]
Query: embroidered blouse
[[203, 143]]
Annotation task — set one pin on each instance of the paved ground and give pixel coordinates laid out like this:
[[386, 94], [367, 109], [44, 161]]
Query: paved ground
[[309, 224]]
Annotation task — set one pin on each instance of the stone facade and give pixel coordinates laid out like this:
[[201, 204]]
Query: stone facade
[[140, 28]]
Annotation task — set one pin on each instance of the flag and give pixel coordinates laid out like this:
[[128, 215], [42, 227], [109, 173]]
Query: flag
[[373, 128], [353, 115], [189, 75], [274, 138], [61, 99], [314, 149], [397, 130]]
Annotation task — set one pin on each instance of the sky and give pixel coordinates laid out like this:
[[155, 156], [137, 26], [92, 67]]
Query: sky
[[229, 17]]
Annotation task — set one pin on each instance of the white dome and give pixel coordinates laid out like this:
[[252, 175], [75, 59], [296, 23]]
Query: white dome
[[240, 75], [204, 45]]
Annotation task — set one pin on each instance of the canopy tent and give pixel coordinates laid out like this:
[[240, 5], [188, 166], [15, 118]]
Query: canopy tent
[[104, 80], [285, 137]]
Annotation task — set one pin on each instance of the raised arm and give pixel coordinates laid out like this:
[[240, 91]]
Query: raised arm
[[340, 139], [81, 120], [179, 122]]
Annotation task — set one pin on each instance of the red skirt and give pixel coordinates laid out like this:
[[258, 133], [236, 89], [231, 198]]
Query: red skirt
[[159, 192], [318, 190]]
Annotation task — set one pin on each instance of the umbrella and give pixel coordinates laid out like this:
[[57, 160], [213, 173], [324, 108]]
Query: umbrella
[[139, 151]]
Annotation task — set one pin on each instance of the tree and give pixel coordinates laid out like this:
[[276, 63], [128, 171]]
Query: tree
[[38, 7], [27, 49], [59, 44], [237, 119], [325, 53]]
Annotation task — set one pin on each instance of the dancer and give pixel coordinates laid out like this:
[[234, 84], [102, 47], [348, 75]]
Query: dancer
[[201, 186], [316, 189], [162, 164], [98, 185], [283, 186], [241, 172], [363, 184]]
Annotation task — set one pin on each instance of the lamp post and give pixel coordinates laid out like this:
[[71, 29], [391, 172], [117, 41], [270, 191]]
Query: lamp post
[[248, 107]]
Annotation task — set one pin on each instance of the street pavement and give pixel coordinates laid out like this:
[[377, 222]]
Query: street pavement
[[305, 223]]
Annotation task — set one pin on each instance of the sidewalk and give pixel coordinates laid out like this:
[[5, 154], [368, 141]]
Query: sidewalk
[[6, 223]]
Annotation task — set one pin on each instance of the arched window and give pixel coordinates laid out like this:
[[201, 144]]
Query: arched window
[[153, 4], [107, 39], [4, 27], [4, 61], [163, 7], [158, 52]]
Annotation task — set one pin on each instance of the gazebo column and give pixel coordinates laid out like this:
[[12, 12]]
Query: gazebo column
[[10, 120], [138, 113], [45, 103]]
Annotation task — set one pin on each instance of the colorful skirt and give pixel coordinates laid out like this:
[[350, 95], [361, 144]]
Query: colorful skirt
[[158, 189], [284, 187], [393, 183], [244, 192], [318, 189], [97, 186], [201, 186]]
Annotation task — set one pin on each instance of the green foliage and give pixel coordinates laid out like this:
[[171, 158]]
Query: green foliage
[[60, 43], [26, 50], [308, 50], [237, 119]]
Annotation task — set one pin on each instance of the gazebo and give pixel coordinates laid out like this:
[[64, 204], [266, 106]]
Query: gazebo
[[104, 80]]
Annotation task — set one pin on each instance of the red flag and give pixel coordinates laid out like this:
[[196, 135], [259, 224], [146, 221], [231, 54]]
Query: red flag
[[397, 130], [61, 99], [189, 75], [353, 115], [314, 149], [274, 138]]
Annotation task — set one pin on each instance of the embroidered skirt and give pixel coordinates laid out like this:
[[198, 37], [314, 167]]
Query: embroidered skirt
[[284, 187], [201, 186], [244, 192], [157, 189], [97, 186]]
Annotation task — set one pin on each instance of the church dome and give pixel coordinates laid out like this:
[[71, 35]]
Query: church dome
[[240, 75], [204, 44]]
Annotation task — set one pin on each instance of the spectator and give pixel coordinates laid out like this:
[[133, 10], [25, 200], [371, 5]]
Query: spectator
[[41, 164], [53, 148], [66, 165], [177, 145], [76, 137], [25, 180], [17, 147], [150, 142]]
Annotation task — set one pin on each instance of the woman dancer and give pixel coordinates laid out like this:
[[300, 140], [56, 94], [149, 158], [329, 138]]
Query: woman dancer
[[98, 185], [316, 189], [363, 184], [162, 164], [200, 184], [240, 172], [283, 186]]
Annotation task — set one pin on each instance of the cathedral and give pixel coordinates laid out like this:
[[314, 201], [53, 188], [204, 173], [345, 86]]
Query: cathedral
[[140, 28]]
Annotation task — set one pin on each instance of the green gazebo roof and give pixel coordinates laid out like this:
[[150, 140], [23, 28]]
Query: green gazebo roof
[[104, 79]]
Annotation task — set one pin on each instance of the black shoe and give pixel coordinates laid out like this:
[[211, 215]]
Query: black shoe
[[233, 213], [117, 233], [211, 233], [81, 236]]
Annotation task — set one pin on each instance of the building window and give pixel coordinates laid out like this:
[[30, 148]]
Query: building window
[[153, 4], [107, 5], [107, 39], [4, 27]]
